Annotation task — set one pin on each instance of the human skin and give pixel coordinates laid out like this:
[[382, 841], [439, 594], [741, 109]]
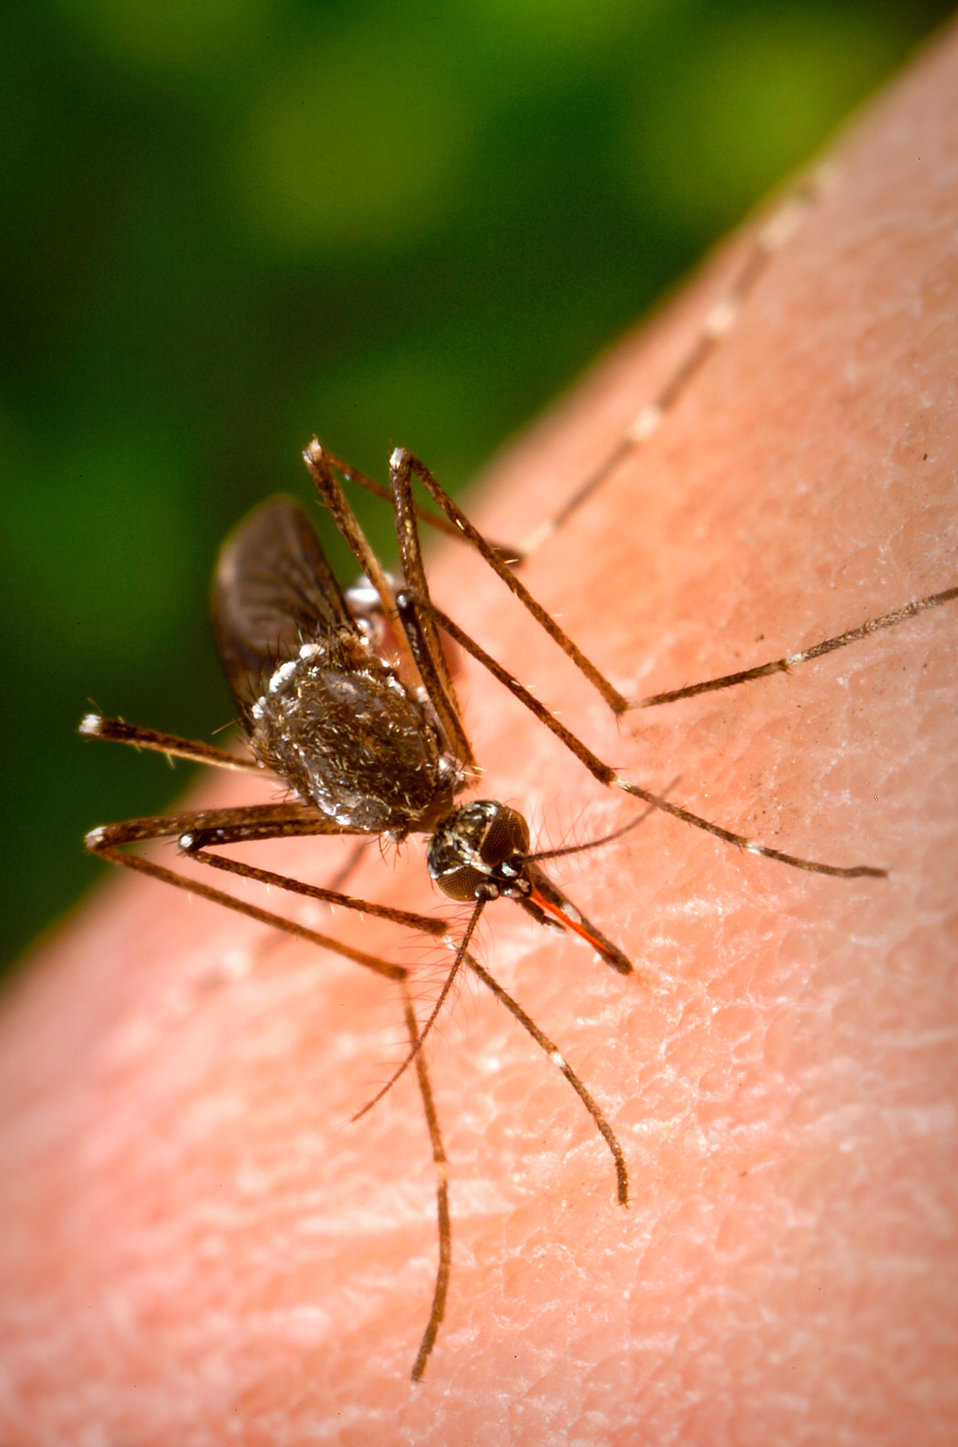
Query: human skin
[[199, 1247]]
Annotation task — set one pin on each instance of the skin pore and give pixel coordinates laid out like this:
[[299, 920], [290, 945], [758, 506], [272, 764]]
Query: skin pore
[[198, 1244]]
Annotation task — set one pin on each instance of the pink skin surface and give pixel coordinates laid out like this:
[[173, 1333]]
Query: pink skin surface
[[197, 1245]]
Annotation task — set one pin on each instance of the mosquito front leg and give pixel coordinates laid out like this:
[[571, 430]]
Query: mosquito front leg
[[402, 466], [417, 1055], [444, 1226], [558, 1060]]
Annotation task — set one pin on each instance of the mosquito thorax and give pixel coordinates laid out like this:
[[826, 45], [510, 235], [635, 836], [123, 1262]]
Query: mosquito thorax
[[340, 726], [480, 851]]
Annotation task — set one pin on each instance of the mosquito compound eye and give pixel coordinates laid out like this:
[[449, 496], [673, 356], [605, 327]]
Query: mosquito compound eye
[[506, 835], [479, 849], [463, 884]]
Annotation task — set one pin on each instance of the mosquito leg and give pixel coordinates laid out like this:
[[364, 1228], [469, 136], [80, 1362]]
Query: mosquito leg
[[98, 843], [418, 625], [425, 923], [431, 519], [770, 238], [402, 466], [238, 823], [616, 700], [460, 949], [441, 1289], [417, 1054], [609, 776], [334, 499], [793, 660], [353, 474], [105, 842], [550, 1049], [196, 830], [93, 726], [432, 668], [427, 659]]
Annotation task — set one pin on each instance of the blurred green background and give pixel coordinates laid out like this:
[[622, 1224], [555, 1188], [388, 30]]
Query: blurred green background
[[231, 223]]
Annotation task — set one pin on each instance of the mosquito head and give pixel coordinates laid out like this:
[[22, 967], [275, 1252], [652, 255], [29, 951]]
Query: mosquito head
[[480, 852]]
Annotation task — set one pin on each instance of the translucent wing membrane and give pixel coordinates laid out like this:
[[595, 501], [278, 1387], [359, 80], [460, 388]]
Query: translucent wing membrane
[[272, 591]]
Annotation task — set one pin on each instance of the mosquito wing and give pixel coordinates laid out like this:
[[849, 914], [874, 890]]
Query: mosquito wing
[[273, 590]]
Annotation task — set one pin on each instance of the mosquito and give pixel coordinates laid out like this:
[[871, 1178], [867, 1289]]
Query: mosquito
[[354, 709], [346, 698]]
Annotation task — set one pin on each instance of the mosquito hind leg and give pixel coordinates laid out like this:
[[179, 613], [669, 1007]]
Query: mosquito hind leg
[[771, 236], [403, 467]]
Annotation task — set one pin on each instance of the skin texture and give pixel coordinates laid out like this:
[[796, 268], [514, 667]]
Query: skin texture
[[199, 1247]]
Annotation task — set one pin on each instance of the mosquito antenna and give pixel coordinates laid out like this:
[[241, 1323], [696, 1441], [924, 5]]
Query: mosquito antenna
[[567, 849], [421, 1035]]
